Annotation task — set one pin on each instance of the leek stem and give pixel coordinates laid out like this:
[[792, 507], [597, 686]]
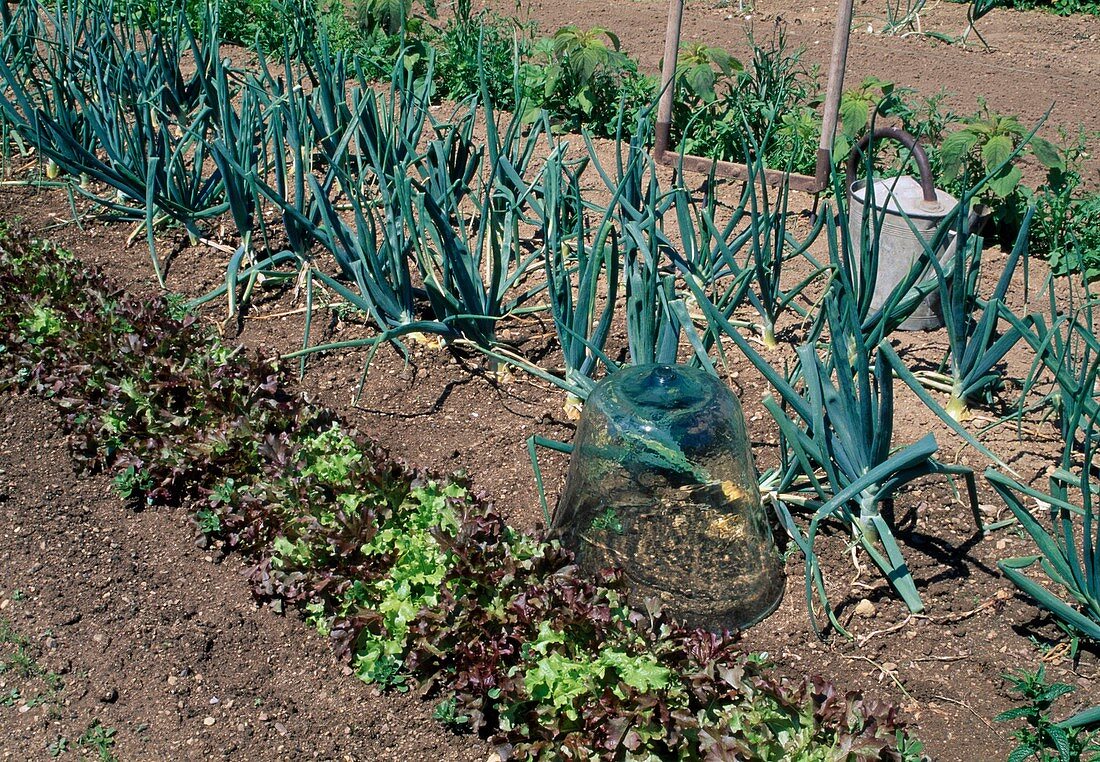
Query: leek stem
[[768, 330], [956, 406]]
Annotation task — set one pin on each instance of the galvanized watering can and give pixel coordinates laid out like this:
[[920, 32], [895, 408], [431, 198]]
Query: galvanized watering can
[[895, 199]]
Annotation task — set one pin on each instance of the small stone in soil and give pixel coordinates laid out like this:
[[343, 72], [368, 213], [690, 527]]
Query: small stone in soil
[[208, 721], [865, 608]]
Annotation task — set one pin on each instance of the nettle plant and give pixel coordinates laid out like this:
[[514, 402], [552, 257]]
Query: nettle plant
[[745, 112], [1041, 736], [582, 76], [1067, 216], [860, 106], [988, 146], [703, 72]]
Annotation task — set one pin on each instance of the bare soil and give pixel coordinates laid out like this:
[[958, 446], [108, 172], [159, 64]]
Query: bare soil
[[87, 568], [1037, 61], [161, 641]]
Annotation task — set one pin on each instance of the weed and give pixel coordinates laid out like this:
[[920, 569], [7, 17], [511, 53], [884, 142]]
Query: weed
[[910, 749], [703, 73], [177, 305], [9, 635], [758, 110], [99, 739], [1059, 7], [208, 521], [1063, 648], [983, 143], [21, 663], [133, 484], [446, 712], [989, 145], [581, 77], [609, 521], [1042, 737], [394, 17], [58, 747], [380, 32], [244, 22], [472, 46], [1067, 222], [1080, 250]]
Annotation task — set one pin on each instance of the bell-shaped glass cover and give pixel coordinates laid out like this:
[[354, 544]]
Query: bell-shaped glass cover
[[662, 485]]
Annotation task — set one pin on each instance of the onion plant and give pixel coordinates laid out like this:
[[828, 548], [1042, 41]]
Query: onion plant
[[857, 256], [744, 259], [291, 142], [835, 414], [974, 344], [1069, 550], [430, 204], [652, 327], [582, 271], [841, 433], [21, 29], [472, 207], [374, 251], [241, 142], [471, 256], [708, 247], [111, 126], [1063, 349], [285, 151], [283, 132], [43, 59], [366, 144], [770, 247], [655, 313]]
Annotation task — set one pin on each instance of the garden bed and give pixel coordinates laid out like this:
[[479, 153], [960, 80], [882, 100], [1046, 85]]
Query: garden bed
[[446, 411], [944, 669]]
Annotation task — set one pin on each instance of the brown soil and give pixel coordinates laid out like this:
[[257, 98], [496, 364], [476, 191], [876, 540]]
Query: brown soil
[[445, 411], [1038, 60], [160, 641]]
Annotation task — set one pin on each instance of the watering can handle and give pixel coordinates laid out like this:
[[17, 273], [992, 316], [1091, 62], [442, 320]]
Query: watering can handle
[[923, 167]]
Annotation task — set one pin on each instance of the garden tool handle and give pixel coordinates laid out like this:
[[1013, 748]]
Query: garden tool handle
[[928, 189]]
